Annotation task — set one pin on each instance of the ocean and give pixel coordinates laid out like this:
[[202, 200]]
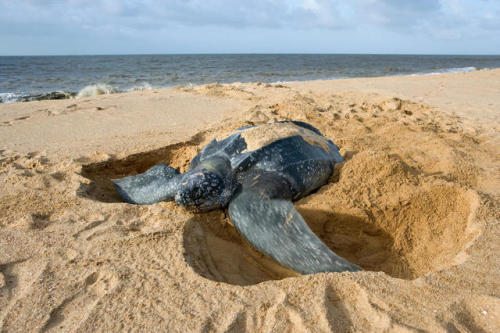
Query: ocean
[[23, 77]]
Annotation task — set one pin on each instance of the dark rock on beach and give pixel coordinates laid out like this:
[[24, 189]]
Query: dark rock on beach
[[48, 96]]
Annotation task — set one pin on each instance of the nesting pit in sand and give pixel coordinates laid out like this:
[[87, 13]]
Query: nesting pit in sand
[[376, 211]]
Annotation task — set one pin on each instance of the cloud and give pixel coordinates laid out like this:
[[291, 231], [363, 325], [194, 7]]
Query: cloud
[[440, 19], [296, 14], [161, 19], [258, 13], [398, 14]]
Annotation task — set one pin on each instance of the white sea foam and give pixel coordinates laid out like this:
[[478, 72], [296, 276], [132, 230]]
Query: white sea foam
[[450, 70], [460, 69], [97, 89], [142, 87], [8, 97]]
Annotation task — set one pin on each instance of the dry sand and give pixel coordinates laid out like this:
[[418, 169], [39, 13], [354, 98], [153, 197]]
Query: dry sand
[[416, 204]]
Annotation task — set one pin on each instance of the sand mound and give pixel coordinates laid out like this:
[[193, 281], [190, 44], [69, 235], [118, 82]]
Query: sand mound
[[385, 216], [377, 212], [414, 204]]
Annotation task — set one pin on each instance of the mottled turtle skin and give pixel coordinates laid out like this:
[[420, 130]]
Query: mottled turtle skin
[[257, 171]]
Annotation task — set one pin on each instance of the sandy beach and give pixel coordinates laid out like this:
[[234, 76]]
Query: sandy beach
[[416, 204]]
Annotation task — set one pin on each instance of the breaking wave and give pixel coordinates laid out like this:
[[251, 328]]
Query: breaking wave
[[97, 89], [141, 87], [87, 91], [452, 70], [9, 97], [461, 69]]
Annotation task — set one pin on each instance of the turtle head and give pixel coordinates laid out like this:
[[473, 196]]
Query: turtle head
[[205, 189]]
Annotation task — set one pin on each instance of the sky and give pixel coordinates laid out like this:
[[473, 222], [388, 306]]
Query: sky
[[57, 27]]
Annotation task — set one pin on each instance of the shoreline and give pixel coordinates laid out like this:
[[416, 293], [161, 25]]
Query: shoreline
[[6, 97], [450, 93]]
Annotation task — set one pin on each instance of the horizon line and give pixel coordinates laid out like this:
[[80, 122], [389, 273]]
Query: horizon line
[[244, 53]]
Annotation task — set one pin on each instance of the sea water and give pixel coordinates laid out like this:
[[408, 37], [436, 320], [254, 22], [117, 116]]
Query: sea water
[[25, 76]]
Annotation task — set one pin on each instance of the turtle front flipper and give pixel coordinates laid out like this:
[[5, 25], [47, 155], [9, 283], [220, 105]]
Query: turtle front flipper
[[277, 229], [159, 183]]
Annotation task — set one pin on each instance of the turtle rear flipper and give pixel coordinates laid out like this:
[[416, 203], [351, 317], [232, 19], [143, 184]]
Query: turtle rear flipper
[[159, 183], [277, 229]]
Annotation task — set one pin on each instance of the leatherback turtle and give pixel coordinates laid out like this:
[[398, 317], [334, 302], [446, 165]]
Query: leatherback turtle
[[257, 171]]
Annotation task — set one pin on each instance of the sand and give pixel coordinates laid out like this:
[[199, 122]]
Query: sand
[[416, 204]]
